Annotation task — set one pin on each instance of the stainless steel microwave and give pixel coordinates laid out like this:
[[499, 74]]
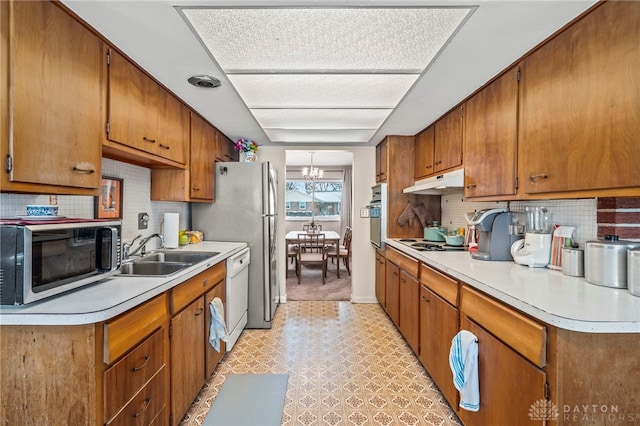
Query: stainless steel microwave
[[43, 260]]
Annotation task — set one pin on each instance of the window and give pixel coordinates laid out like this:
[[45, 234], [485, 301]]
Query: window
[[326, 201]]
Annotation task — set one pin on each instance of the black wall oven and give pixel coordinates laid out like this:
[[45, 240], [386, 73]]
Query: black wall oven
[[44, 260]]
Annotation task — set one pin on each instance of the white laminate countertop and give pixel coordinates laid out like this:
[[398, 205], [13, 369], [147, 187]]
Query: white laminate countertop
[[566, 302], [111, 296]]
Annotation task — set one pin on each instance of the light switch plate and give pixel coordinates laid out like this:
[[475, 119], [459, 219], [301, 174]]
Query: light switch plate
[[364, 212]]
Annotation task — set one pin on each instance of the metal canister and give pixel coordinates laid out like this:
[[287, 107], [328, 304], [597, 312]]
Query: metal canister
[[633, 271], [573, 262]]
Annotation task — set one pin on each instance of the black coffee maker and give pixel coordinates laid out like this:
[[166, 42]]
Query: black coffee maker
[[495, 234]]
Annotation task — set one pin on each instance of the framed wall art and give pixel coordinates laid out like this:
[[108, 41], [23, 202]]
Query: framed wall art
[[108, 205]]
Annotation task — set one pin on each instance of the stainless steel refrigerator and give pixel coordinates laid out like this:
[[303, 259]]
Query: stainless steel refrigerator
[[245, 209]]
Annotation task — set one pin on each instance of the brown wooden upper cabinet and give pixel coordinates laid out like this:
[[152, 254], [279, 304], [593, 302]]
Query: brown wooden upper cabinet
[[448, 141], [491, 137], [143, 115], [381, 161], [425, 144], [56, 77], [580, 105], [224, 150]]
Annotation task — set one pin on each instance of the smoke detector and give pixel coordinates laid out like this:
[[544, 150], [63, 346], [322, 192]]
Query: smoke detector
[[205, 81]]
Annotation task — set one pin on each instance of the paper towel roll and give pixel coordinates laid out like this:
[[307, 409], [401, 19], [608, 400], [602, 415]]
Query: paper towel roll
[[171, 229]]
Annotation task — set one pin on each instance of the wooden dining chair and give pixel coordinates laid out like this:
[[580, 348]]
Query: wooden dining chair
[[311, 251], [342, 252]]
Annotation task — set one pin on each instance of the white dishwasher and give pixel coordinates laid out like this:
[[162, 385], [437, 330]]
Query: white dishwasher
[[237, 294]]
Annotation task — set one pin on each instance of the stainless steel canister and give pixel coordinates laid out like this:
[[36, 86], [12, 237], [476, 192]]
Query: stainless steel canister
[[605, 261], [633, 271], [573, 262]]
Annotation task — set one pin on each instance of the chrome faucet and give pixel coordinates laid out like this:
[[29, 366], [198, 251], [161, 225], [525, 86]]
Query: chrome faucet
[[143, 243], [126, 247]]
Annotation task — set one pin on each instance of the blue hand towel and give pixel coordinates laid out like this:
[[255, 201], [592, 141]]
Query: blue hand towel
[[217, 329], [463, 360]]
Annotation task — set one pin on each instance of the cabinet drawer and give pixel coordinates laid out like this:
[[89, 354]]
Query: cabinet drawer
[[408, 264], [443, 286], [523, 334], [195, 287], [128, 375], [125, 331], [145, 406]]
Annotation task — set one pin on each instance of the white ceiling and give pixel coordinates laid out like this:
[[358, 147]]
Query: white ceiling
[[155, 35]]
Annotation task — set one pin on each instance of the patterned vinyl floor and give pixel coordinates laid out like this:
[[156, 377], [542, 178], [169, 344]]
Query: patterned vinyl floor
[[347, 365]]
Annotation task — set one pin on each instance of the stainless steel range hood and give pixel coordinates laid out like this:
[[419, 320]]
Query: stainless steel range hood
[[436, 185]]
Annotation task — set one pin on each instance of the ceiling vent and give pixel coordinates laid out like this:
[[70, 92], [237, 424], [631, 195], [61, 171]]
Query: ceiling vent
[[205, 81]]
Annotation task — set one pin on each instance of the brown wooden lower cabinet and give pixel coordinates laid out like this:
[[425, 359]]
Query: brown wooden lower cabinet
[[392, 291], [129, 370], [409, 315], [438, 326], [509, 384], [380, 278]]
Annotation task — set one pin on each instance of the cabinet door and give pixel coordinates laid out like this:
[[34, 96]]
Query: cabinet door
[[225, 151], [56, 72], [438, 326], [448, 141], [130, 93], [425, 142], [490, 138], [380, 279], [509, 384], [172, 128], [580, 123], [203, 143], [392, 291], [409, 309], [187, 357], [213, 357], [381, 161]]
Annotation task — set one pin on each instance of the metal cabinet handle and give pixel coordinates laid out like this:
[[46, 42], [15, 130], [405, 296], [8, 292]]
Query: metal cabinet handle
[[205, 282], [471, 185], [167, 147], [195, 188], [147, 402], [430, 167], [146, 360], [438, 162], [200, 311], [146, 139], [77, 169], [425, 299], [536, 177]]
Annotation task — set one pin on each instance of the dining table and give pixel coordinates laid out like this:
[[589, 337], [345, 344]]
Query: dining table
[[330, 237]]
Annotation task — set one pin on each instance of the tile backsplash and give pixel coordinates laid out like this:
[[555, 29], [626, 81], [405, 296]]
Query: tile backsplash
[[136, 199], [581, 213]]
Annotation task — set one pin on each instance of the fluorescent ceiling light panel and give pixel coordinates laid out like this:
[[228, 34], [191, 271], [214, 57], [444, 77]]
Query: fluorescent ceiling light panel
[[319, 136], [322, 74], [325, 39], [321, 118], [322, 90]]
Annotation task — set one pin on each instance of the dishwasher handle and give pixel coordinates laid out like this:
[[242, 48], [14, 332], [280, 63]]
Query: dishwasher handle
[[238, 262]]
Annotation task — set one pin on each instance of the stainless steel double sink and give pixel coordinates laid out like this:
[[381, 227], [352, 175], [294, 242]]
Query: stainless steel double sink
[[161, 263]]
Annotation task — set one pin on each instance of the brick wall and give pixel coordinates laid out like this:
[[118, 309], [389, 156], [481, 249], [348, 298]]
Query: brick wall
[[619, 216]]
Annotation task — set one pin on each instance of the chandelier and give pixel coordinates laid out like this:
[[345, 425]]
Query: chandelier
[[312, 173]]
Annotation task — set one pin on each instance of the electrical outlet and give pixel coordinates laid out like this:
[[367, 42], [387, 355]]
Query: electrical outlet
[[53, 200], [364, 212], [143, 220]]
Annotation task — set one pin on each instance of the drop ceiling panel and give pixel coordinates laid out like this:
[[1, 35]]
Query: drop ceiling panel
[[322, 39], [319, 136], [322, 90], [321, 118]]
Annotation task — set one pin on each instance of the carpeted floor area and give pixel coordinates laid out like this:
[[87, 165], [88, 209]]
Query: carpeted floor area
[[311, 287], [347, 364]]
